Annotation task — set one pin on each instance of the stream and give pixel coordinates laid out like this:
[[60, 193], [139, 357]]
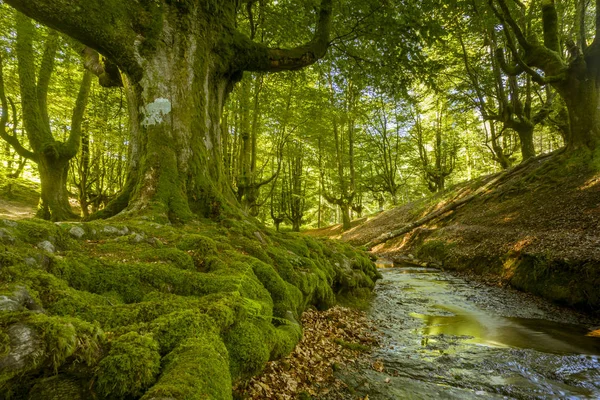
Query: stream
[[445, 337]]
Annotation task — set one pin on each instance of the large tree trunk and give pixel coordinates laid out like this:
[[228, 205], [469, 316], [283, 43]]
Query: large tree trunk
[[526, 138], [580, 94], [346, 220], [175, 110], [54, 201]]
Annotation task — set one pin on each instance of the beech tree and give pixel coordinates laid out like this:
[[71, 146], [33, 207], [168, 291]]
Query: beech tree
[[51, 155], [569, 64], [178, 60]]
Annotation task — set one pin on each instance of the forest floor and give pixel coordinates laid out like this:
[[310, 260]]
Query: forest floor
[[18, 198], [537, 230]]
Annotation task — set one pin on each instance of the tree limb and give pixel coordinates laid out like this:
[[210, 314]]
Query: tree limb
[[72, 144], [11, 139], [104, 25], [257, 57]]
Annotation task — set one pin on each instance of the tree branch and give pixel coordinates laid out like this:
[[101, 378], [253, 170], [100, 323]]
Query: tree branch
[[550, 25], [46, 70], [104, 25], [252, 56], [72, 144], [11, 139]]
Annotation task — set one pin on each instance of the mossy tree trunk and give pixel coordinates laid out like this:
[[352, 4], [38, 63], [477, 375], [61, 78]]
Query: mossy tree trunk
[[180, 60], [571, 66], [52, 156]]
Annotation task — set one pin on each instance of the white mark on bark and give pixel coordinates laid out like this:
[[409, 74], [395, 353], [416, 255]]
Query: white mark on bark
[[156, 111]]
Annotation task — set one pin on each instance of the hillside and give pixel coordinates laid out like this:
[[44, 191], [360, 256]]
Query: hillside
[[536, 228]]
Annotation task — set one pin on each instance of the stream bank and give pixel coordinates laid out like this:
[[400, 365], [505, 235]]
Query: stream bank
[[446, 337]]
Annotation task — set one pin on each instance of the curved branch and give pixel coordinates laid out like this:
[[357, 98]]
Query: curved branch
[[11, 139], [252, 56], [107, 28]]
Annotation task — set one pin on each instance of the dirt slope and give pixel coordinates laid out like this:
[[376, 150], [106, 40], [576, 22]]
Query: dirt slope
[[538, 230]]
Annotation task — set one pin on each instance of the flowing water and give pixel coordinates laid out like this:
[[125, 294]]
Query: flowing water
[[444, 337]]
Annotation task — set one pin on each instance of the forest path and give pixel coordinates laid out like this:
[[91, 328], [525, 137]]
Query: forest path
[[445, 337], [15, 210]]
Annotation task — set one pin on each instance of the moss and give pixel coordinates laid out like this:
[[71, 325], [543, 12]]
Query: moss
[[156, 302], [130, 367], [248, 349], [178, 258], [57, 388], [169, 330], [197, 369], [434, 250], [4, 343], [34, 231], [199, 247], [67, 337]]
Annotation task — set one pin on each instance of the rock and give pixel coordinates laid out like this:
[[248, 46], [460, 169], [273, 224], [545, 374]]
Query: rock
[[260, 237], [111, 230], [8, 304], [25, 348], [9, 223], [77, 232], [31, 262], [19, 300], [411, 256], [6, 237], [137, 238], [46, 246]]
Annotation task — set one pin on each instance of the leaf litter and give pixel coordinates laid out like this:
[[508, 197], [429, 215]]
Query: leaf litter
[[332, 340]]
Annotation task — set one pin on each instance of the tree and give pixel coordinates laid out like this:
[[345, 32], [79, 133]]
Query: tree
[[51, 155], [179, 60], [571, 65]]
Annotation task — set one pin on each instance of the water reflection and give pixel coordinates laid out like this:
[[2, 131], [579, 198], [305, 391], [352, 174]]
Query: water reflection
[[489, 330]]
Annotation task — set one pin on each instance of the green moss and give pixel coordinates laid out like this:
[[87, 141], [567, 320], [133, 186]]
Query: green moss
[[67, 337], [248, 349], [178, 258], [57, 388], [179, 303], [198, 369], [169, 330], [434, 250], [199, 247], [130, 367]]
